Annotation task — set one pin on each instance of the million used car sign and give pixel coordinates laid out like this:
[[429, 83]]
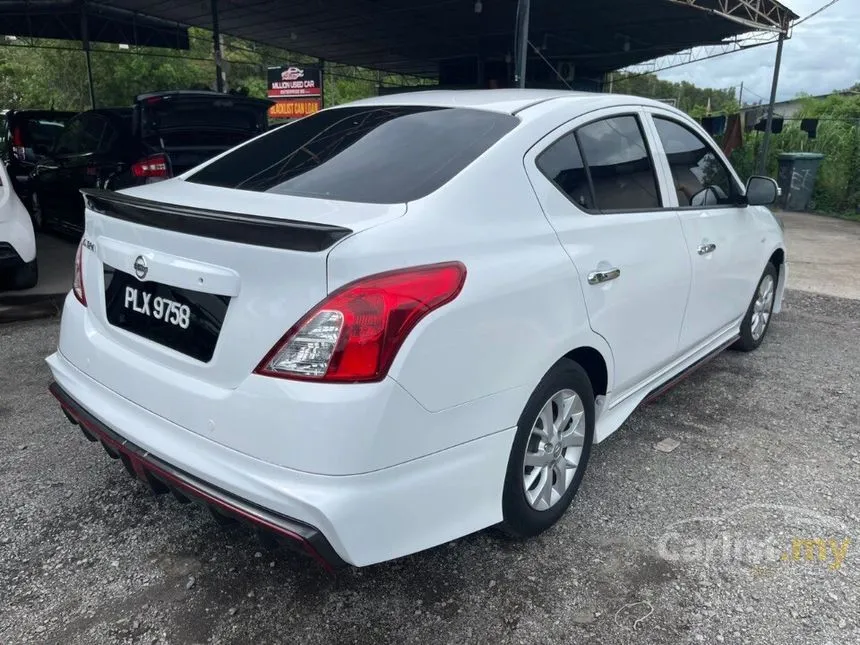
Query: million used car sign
[[296, 89]]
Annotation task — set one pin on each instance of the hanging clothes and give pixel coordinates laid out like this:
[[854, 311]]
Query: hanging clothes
[[734, 138], [810, 127], [714, 125], [775, 126]]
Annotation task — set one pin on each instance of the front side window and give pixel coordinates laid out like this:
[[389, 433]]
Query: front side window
[[375, 154], [696, 167]]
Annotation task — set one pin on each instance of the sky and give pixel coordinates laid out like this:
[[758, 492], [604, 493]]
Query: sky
[[822, 55]]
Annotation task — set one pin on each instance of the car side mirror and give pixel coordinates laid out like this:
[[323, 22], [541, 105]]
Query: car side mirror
[[761, 191], [705, 197]]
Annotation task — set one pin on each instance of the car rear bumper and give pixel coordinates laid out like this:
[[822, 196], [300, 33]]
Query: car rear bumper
[[162, 477], [355, 519]]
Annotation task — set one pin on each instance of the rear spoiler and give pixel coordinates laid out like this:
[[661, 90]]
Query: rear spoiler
[[220, 225]]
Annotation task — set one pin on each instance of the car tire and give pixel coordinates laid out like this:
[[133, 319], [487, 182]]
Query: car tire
[[756, 322], [26, 276], [528, 506], [37, 216]]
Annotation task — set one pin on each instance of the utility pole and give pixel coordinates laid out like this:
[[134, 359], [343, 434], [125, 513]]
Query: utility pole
[[762, 162], [741, 96], [216, 48], [523, 11], [85, 41]]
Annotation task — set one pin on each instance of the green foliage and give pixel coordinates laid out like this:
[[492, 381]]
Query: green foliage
[[693, 100], [53, 74], [837, 188]]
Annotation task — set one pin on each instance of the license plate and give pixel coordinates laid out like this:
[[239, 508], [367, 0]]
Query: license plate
[[170, 311], [182, 319]]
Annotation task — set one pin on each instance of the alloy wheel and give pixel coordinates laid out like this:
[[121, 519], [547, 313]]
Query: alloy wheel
[[553, 450], [762, 307]]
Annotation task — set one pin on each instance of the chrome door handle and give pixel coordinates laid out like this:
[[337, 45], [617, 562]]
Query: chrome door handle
[[704, 249], [598, 277]]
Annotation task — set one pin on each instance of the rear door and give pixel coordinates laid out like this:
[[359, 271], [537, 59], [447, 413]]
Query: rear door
[[596, 181], [717, 228], [192, 128]]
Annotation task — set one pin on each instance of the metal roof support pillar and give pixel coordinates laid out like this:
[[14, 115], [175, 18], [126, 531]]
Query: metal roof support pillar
[[762, 162], [216, 48], [523, 10], [85, 41]]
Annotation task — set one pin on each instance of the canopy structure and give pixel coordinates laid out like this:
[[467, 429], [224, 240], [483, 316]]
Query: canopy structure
[[459, 42], [71, 20]]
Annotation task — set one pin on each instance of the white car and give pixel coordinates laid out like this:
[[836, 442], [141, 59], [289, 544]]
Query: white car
[[399, 321], [18, 266]]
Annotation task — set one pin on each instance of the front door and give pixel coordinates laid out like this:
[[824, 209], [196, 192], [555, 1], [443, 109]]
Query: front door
[[597, 184], [717, 227]]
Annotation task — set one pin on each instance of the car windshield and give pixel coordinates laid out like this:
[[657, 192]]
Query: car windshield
[[375, 154]]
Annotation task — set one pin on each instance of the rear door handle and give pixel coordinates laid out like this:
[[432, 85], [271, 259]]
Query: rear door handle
[[599, 277], [704, 249]]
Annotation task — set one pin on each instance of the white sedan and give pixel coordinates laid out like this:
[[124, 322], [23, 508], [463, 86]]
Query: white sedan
[[402, 320], [18, 266]]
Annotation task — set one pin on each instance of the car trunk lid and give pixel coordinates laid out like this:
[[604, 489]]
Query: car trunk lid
[[204, 280]]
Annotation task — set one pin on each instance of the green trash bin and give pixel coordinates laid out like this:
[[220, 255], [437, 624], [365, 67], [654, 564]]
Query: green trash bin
[[797, 173]]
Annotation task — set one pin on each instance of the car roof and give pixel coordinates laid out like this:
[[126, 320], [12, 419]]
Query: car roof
[[508, 101]]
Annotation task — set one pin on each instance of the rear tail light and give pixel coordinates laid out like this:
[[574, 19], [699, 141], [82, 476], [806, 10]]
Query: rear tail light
[[78, 282], [154, 166], [354, 334], [19, 151]]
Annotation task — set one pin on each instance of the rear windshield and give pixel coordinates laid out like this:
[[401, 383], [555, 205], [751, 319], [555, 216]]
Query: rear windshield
[[379, 154], [41, 132]]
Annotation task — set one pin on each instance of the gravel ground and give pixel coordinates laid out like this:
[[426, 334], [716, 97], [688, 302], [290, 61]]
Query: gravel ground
[[689, 546]]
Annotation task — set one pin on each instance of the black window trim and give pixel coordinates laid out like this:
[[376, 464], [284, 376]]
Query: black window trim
[[637, 115], [742, 199]]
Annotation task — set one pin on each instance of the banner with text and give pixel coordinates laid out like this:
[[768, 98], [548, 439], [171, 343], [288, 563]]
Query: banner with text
[[296, 89]]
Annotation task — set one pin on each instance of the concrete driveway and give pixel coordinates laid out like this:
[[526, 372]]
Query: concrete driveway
[[824, 254]]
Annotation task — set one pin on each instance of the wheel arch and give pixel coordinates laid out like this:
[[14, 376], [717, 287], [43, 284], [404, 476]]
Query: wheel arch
[[595, 366], [777, 258]]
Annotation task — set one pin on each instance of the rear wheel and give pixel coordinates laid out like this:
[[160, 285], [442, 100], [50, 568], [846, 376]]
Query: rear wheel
[[550, 451], [757, 320]]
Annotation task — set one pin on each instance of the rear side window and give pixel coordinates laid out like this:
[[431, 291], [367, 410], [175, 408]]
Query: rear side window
[[380, 154], [604, 166], [562, 164]]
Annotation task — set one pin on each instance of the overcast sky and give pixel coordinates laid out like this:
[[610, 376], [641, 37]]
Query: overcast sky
[[822, 55]]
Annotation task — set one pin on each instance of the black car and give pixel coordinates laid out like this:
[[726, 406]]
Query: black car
[[25, 136], [162, 135]]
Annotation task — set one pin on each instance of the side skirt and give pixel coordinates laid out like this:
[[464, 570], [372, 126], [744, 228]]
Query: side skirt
[[661, 389]]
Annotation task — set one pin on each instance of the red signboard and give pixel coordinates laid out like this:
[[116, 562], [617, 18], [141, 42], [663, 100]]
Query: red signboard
[[294, 108], [294, 81]]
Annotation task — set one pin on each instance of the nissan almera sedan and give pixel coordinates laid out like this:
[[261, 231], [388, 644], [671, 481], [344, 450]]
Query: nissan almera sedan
[[406, 319]]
